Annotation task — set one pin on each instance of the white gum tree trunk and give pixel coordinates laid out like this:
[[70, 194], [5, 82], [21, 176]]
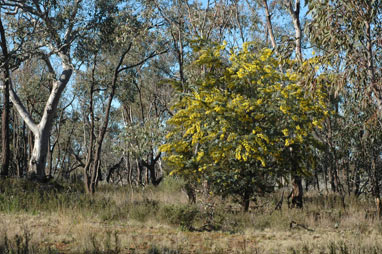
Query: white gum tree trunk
[[58, 43], [42, 130]]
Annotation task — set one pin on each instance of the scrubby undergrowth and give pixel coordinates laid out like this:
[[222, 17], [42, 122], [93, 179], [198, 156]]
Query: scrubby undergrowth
[[60, 218]]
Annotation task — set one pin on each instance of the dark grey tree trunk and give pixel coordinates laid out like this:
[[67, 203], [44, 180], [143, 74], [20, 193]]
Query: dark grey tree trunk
[[150, 166], [246, 201], [94, 160], [112, 169], [5, 114]]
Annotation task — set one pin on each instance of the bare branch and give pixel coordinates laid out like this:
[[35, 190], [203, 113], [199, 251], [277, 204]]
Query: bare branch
[[153, 54]]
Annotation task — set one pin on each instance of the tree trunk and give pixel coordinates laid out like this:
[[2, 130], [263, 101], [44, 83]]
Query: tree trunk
[[95, 168], [297, 192], [95, 162], [5, 130], [376, 188], [150, 166], [25, 149], [112, 169], [246, 201], [316, 180], [190, 191], [17, 148], [357, 182], [269, 24], [154, 180], [295, 13], [5, 114], [129, 169], [42, 130], [332, 179], [39, 155], [139, 172], [48, 171], [86, 176]]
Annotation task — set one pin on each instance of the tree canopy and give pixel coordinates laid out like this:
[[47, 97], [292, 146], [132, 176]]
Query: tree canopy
[[244, 121]]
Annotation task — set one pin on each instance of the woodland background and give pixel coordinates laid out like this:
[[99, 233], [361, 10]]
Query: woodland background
[[194, 120]]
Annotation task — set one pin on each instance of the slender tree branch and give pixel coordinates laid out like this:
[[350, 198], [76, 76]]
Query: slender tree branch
[[153, 54]]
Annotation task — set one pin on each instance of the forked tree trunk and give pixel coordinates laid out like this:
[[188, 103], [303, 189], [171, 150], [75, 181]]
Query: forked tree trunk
[[150, 166], [41, 131], [112, 169], [61, 47]]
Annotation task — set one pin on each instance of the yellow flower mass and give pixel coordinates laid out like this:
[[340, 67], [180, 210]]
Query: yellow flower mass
[[242, 112]]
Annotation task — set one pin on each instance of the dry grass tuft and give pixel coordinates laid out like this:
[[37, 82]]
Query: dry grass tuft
[[159, 220]]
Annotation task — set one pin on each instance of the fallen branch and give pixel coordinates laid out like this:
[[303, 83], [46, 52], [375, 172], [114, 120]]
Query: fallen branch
[[294, 224]]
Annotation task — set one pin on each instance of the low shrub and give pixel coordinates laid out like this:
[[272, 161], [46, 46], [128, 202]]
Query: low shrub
[[180, 215], [142, 210]]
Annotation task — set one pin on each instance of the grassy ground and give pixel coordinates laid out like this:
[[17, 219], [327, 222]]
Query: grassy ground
[[62, 219]]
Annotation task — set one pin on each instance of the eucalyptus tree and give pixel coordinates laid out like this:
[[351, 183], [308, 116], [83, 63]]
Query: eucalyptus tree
[[125, 39], [32, 82], [347, 35], [187, 21], [46, 30]]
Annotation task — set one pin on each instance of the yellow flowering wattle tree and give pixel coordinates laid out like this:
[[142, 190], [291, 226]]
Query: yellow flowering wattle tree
[[243, 123]]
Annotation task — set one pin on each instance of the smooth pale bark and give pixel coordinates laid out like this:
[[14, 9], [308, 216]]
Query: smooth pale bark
[[268, 17], [60, 46], [41, 131], [90, 145], [295, 14], [269, 24]]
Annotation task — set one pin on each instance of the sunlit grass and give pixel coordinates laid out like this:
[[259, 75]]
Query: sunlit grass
[[60, 218]]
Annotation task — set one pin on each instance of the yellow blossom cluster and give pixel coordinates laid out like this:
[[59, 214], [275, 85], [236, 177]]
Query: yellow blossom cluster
[[243, 111]]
